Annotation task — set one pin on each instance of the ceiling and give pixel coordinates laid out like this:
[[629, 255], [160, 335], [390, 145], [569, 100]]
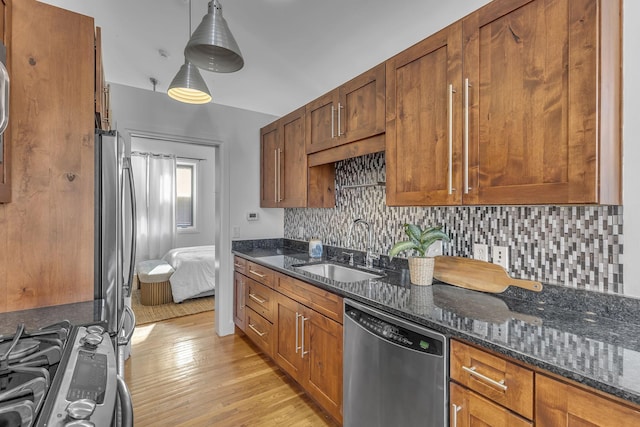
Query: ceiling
[[294, 50]]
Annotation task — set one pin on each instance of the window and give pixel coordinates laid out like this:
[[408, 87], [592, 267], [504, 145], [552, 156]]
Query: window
[[185, 195]]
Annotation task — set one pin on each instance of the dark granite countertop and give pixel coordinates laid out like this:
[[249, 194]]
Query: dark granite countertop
[[77, 313], [591, 338]]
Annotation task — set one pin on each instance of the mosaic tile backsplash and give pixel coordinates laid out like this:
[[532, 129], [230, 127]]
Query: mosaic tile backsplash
[[574, 246]]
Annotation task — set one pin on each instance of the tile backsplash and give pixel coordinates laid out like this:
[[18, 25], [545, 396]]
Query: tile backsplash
[[574, 246]]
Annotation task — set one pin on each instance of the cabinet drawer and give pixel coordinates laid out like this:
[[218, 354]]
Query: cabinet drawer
[[318, 299], [239, 264], [470, 409], [259, 298], [260, 331], [260, 274], [493, 377]]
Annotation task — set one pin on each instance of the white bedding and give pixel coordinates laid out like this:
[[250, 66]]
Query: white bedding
[[195, 271]]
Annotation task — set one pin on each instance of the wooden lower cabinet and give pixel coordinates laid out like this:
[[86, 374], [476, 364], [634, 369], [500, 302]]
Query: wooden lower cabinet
[[301, 332], [308, 346], [469, 409], [562, 404], [238, 300]]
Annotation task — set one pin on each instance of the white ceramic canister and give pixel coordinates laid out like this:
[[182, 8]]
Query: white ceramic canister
[[315, 248]]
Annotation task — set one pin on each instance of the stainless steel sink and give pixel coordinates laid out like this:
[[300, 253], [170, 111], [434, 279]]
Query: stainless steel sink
[[338, 273]]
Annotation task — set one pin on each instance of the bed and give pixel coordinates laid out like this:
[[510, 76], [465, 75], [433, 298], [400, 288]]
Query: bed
[[195, 271]]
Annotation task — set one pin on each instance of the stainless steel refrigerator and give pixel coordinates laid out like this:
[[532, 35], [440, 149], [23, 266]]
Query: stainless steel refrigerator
[[115, 241]]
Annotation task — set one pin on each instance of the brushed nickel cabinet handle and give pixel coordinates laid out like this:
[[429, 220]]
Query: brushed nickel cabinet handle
[[450, 120], [333, 133], [472, 370], [466, 136], [339, 125], [297, 338], [303, 352], [256, 298], [456, 409], [253, 328], [275, 178], [279, 175], [237, 265], [262, 276]]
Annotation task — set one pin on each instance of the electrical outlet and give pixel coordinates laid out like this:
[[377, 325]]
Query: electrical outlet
[[435, 249], [481, 252], [501, 256]]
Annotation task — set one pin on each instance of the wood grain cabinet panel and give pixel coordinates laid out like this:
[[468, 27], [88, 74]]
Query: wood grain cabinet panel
[[423, 150], [517, 103], [46, 258], [324, 302], [562, 404], [288, 344], [239, 314], [283, 164], [260, 274], [351, 112], [503, 382], [260, 331], [260, 298], [469, 409]]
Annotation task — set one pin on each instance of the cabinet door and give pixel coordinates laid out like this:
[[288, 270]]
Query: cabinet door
[[533, 72], [423, 130], [469, 409], [238, 300], [321, 130], [322, 351], [292, 185], [560, 404], [361, 107], [288, 339], [269, 165]]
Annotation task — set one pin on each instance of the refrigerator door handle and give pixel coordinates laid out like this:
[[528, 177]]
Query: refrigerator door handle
[[126, 335], [134, 231]]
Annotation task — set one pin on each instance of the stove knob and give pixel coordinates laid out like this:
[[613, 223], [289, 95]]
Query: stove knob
[[96, 329], [91, 340], [81, 409]]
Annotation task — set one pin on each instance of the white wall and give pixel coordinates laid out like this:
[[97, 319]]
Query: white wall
[[631, 147], [235, 134]]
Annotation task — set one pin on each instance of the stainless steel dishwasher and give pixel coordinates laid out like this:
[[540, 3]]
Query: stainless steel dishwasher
[[395, 372]]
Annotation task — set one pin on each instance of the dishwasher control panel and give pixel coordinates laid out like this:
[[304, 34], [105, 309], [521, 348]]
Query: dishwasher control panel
[[395, 333]]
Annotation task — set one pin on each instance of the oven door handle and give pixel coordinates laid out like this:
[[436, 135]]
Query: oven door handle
[[125, 408], [126, 337]]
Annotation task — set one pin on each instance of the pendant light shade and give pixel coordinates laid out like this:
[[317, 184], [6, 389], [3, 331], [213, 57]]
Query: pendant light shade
[[189, 86], [212, 46]]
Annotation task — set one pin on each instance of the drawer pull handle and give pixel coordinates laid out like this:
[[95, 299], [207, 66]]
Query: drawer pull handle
[[237, 265], [262, 276], [256, 298], [253, 328], [474, 372], [456, 409]]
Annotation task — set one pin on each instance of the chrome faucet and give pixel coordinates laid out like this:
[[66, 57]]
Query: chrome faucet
[[370, 257]]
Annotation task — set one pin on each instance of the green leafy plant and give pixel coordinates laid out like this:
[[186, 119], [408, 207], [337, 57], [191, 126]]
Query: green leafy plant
[[419, 239]]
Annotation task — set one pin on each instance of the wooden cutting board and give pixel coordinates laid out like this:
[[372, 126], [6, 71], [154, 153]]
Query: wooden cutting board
[[478, 275]]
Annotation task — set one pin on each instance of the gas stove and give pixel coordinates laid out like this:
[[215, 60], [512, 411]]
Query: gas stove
[[60, 376]]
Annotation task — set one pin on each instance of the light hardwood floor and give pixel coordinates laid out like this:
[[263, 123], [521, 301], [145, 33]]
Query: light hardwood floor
[[181, 373]]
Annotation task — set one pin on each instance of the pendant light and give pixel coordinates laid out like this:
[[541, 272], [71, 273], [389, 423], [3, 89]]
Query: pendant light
[[188, 85], [212, 46]]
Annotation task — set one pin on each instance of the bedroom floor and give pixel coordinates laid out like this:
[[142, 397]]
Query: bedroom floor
[[181, 373]]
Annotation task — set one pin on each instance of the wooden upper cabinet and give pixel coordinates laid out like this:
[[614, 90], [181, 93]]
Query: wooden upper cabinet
[[5, 153], [103, 113], [532, 116], [561, 404], [352, 112], [544, 102], [423, 132], [283, 176]]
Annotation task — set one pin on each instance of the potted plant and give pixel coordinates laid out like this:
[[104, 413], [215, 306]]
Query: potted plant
[[420, 267]]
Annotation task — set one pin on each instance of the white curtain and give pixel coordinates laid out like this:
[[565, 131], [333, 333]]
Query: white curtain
[[155, 178]]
